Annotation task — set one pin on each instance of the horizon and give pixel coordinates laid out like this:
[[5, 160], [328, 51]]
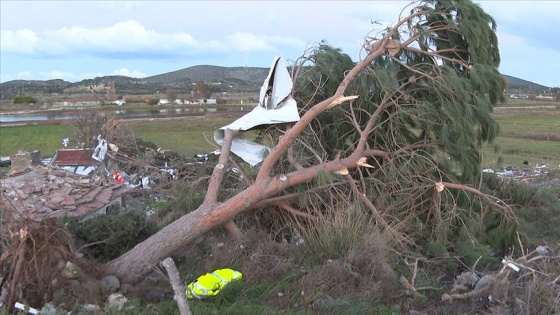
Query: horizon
[[119, 75]]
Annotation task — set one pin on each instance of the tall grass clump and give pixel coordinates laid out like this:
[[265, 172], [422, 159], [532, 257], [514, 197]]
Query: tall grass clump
[[334, 235]]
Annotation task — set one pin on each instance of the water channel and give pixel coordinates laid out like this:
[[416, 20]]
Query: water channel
[[64, 114]]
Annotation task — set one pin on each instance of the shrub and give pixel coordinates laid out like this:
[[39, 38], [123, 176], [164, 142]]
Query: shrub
[[106, 237], [333, 237], [24, 99]]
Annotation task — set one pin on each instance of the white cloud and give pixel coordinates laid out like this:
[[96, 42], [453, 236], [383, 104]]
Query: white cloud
[[127, 73], [131, 40], [248, 42], [128, 38], [21, 41]]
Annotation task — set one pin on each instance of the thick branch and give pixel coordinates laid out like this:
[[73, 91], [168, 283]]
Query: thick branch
[[219, 169]]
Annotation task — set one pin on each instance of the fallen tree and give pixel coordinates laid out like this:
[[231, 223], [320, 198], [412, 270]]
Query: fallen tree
[[401, 129]]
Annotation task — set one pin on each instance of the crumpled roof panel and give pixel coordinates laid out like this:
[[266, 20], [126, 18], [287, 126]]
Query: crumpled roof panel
[[71, 157]]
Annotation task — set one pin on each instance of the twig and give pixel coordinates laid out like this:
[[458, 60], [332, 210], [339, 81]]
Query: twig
[[175, 280], [293, 211], [409, 287]]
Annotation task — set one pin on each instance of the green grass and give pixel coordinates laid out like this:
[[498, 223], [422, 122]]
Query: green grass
[[526, 102], [46, 138], [183, 135], [523, 136]]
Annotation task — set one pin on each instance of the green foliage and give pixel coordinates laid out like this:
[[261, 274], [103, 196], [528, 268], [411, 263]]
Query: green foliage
[[421, 95], [318, 83], [153, 101], [537, 207], [24, 99], [188, 198], [106, 237], [354, 306]]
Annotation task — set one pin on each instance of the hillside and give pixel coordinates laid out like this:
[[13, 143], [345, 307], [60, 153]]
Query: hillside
[[209, 74], [517, 83], [220, 79]]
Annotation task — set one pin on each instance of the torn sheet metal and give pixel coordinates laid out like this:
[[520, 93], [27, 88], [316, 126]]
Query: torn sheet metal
[[276, 106]]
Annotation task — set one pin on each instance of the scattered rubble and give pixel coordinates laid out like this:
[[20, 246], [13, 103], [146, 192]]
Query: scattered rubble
[[526, 174], [38, 192]]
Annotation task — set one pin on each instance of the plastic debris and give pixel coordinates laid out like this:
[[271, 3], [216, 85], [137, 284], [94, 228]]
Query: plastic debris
[[211, 283]]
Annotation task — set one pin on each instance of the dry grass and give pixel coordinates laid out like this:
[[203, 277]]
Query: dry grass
[[36, 253]]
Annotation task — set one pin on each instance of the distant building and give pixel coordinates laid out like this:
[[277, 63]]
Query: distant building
[[78, 102], [207, 101]]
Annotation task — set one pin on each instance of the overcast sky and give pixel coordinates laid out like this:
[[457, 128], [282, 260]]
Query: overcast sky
[[84, 39]]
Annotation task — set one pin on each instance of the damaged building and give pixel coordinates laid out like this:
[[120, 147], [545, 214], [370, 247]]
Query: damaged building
[[35, 191]]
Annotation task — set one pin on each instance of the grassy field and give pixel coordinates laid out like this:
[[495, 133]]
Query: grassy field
[[46, 138], [531, 135], [523, 102], [185, 135], [526, 134]]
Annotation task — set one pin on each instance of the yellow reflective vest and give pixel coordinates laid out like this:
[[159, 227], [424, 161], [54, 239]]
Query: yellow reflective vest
[[211, 283]]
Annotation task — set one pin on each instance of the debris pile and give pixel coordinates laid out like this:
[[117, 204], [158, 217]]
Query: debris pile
[[47, 191], [537, 271], [526, 174]]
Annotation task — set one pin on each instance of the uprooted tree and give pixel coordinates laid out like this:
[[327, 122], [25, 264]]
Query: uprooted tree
[[398, 133]]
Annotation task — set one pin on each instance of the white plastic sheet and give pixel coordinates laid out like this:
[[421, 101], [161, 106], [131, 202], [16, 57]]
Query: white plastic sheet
[[276, 106], [100, 150]]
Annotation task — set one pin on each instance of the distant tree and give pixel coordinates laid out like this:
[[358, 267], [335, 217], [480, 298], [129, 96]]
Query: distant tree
[[558, 96], [153, 101], [171, 95], [532, 97], [86, 127], [202, 90], [24, 99]]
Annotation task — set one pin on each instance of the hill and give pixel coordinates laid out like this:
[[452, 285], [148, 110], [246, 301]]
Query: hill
[[220, 79], [514, 83], [209, 74]]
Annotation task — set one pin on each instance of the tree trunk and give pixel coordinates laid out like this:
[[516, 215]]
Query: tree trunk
[[138, 261]]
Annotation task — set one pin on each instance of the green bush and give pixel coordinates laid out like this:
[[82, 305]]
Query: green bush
[[106, 237], [24, 99]]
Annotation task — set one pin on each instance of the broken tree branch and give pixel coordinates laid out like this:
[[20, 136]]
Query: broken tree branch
[[175, 280], [216, 181]]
